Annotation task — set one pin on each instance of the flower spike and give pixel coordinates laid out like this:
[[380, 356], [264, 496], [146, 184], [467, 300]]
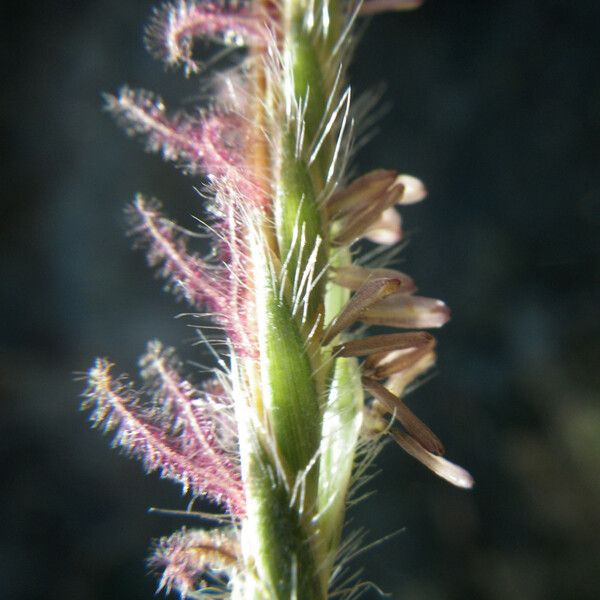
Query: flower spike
[[275, 436]]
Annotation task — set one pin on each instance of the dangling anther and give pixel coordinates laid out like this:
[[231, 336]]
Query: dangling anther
[[353, 277], [370, 293], [360, 221], [361, 192], [409, 312], [385, 364], [385, 343], [440, 466], [413, 425]]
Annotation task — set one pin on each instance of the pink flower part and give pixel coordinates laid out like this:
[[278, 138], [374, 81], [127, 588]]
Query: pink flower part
[[198, 422], [187, 555], [179, 138], [231, 91], [173, 28], [213, 144], [116, 408], [225, 148], [408, 312], [200, 284]]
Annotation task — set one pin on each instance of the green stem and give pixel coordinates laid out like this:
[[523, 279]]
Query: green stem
[[299, 430]]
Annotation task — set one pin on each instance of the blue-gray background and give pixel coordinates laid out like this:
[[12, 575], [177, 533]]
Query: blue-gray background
[[496, 105]]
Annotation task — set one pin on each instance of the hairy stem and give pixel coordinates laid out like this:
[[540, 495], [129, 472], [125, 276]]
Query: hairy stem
[[294, 509]]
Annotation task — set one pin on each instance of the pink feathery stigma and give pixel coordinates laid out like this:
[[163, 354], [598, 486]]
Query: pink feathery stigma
[[241, 281], [214, 144], [223, 290], [115, 406], [187, 555], [178, 137], [221, 409], [173, 28], [197, 423], [226, 142], [201, 285]]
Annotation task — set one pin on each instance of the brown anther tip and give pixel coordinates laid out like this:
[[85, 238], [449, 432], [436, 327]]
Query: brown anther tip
[[429, 441], [397, 188], [437, 448]]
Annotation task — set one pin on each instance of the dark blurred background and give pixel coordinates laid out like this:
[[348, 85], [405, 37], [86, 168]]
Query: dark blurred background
[[496, 105]]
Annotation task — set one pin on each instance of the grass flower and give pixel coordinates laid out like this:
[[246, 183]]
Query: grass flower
[[277, 437]]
